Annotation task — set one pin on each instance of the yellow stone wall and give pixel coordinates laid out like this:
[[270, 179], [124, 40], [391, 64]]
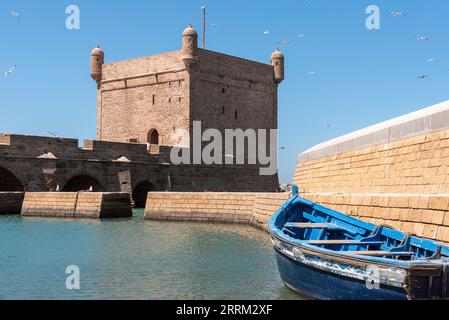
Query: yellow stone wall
[[416, 165], [76, 204], [404, 184], [227, 207]]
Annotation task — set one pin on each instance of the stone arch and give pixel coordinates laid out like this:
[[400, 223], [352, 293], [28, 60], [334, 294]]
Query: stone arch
[[153, 137], [140, 193], [153, 128], [82, 182], [9, 182]]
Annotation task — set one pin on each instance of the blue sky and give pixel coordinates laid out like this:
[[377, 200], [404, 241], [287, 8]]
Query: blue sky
[[363, 76]]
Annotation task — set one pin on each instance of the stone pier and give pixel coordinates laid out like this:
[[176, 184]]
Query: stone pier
[[95, 205], [215, 207]]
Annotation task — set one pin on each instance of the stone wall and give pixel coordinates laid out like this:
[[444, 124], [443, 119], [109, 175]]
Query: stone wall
[[423, 215], [414, 165], [265, 206], [30, 163], [138, 95], [76, 205], [227, 207], [232, 93], [11, 202], [395, 172]]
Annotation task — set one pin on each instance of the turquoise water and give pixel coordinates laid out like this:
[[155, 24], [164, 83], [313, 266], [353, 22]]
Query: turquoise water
[[136, 259]]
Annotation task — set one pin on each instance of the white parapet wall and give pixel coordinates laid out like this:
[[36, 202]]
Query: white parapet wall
[[431, 119]]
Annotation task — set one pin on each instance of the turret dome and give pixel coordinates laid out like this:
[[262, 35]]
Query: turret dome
[[189, 31], [97, 52], [277, 54]]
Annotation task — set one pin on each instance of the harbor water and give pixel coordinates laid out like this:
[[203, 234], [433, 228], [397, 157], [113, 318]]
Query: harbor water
[[136, 259]]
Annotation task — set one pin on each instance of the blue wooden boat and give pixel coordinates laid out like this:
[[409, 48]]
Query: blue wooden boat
[[326, 254]]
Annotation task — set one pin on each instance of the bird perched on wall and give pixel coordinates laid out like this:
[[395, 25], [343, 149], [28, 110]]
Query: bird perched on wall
[[91, 189]]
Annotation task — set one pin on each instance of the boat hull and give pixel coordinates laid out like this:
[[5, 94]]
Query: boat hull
[[320, 284]]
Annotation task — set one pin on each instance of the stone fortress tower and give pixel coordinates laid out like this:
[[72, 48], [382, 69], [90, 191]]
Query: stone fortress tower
[[146, 106], [155, 99]]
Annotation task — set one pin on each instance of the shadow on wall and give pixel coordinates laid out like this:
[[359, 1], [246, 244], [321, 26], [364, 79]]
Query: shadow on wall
[[9, 182], [82, 183]]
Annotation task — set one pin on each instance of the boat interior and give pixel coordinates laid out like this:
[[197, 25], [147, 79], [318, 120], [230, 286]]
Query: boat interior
[[322, 227]]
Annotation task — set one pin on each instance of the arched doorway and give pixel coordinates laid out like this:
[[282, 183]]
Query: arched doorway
[[82, 183], [9, 182], [153, 137], [140, 194]]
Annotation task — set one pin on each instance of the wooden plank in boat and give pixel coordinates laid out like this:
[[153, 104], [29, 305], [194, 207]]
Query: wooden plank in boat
[[343, 242], [381, 253], [313, 226]]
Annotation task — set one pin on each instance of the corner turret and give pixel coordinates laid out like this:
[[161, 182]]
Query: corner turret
[[277, 61], [189, 45], [96, 63]]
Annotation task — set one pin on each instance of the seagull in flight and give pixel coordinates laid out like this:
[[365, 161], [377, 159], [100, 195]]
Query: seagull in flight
[[8, 72], [327, 125], [430, 60], [422, 38], [311, 73], [266, 32], [398, 14], [14, 13], [284, 42], [422, 77]]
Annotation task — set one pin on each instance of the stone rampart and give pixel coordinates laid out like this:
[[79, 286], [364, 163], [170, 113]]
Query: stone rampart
[[96, 205]]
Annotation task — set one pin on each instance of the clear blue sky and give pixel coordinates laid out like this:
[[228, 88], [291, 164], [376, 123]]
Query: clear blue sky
[[363, 76]]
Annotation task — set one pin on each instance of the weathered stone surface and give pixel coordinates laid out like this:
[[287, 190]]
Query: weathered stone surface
[[21, 169], [227, 207], [96, 205], [11, 202], [407, 212]]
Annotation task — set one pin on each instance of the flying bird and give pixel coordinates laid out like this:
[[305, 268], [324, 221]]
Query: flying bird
[[266, 32], [14, 13], [398, 14], [422, 77], [284, 42], [327, 125], [430, 60], [301, 35], [311, 73], [8, 72], [422, 38]]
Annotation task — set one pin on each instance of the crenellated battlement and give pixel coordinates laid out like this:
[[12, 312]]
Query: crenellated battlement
[[62, 148]]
